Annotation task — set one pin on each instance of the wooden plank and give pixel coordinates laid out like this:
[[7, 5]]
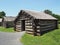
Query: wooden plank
[[27, 23], [27, 18], [18, 25], [47, 26], [28, 26], [38, 30], [38, 26], [38, 34], [29, 29], [47, 29]]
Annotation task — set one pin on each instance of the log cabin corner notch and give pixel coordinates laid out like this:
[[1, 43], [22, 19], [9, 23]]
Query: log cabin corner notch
[[34, 22]]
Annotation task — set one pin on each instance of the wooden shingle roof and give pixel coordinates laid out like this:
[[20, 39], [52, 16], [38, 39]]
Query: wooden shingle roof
[[9, 18], [39, 15]]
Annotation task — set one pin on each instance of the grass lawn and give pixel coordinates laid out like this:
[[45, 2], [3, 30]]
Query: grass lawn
[[51, 38], [2, 29]]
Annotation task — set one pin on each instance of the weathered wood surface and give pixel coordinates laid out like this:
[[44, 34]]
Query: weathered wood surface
[[35, 26]]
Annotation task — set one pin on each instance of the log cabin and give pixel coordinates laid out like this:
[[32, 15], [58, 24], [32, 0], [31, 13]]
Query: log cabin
[[8, 21], [35, 22]]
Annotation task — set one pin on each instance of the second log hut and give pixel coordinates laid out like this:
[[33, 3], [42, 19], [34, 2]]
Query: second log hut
[[8, 21]]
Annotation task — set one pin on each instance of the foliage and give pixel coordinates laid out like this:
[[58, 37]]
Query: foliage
[[56, 16], [2, 14], [2, 29], [59, 22], [48, 12], [51, 38], [51, 13]]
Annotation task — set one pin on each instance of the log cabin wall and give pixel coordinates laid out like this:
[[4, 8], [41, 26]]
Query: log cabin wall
[[44, 25], [35, 26], [28, 23], [47, 25], [18, 25]]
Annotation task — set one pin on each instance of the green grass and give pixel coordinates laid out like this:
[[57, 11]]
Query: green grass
[[51, 38], [2, 29]]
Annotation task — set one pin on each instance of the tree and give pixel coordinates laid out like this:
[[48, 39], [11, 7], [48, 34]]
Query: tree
[[2, 14], [54, 15], [48, 12]]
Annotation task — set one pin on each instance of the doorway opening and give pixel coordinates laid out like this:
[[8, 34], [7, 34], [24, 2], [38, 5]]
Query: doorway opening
[[23, 25]]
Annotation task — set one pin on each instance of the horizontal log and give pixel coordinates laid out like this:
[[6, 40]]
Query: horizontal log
[[28, 26], [18, 25], [38, 34], [27, 18], [48, 29], [38, 26], [47, 26], [28, 23], [38, 30], [28, 29]]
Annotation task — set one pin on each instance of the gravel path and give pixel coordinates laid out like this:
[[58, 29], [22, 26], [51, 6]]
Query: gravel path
[[10, 38]]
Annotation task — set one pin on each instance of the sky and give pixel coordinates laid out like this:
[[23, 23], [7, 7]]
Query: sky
[[13, 7]]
